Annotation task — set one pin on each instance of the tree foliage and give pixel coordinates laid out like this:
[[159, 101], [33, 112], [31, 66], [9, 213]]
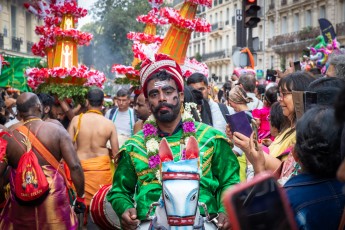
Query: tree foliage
[[114, 19]]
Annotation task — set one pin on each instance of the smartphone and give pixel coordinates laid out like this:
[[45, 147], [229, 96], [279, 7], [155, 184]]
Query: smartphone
[[271, 75], [239, 122], [303, 100], [259, 204], [297, 65], [255, 136]]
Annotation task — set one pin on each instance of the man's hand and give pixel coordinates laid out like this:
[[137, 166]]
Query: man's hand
[[129, 219], [223, 221], [79, 206]]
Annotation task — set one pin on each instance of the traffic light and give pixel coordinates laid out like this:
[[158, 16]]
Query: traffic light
[[250, 11]]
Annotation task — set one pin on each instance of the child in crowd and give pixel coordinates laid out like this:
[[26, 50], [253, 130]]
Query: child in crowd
[[262, 115]]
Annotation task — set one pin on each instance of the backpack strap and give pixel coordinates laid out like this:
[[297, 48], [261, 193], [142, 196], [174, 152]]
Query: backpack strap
[[44, 152], [223, 109], [112, 112]]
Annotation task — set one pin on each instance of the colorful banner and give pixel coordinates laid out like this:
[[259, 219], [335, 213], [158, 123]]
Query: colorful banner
[[13, 75], [327, 30]]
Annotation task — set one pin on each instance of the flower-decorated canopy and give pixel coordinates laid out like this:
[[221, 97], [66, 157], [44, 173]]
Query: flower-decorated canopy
[[58, 41]]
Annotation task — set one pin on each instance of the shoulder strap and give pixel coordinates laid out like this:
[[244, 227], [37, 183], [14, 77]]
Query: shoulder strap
[[78, 128], [44, 152], [112, 112], [223, 109]]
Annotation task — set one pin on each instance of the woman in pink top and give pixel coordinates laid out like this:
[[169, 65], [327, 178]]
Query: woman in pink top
[[262, 115]]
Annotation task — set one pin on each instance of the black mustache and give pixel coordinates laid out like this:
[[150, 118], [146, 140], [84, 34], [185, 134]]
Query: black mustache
[[164, 104]]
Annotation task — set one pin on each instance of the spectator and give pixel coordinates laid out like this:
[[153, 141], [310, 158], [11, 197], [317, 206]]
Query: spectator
[[215, 111], [248, 82], [336, 66], [315, 195]]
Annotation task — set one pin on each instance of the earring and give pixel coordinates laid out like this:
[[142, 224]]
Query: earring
[[182, 109]]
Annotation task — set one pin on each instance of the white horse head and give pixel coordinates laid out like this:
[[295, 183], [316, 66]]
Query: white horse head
[[180, 184]]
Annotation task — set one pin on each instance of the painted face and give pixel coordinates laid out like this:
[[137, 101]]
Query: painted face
[[164, 100], [286, 102], [123, 103], [202, 88], [142, 108]]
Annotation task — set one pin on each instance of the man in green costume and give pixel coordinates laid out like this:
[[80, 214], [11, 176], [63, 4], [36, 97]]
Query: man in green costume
[[135, 185]]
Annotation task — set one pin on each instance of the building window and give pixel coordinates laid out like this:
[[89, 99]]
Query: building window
[[271, 28], [216, 44], [322, 13], [227, 19], [284, 25], [308, 18], [203, 47], [199, 48], [13, 21], [296, 22], [272, 62]]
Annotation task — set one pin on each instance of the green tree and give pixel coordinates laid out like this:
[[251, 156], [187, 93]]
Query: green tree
[[113, 20]]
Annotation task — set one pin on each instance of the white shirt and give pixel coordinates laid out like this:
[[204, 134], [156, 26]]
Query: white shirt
[[124, 122], [256, 103], [218, 119]]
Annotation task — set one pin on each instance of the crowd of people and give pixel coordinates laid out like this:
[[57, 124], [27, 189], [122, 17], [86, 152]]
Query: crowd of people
[[118, 145]]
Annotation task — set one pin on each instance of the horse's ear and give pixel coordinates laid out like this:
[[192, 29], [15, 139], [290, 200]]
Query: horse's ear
[[192, 148], [165, 153]]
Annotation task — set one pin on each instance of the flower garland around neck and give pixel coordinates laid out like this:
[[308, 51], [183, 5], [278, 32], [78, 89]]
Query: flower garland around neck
[[152, 141], [188, 106]]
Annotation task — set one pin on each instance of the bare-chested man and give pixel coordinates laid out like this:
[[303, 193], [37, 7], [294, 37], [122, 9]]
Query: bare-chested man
[[55, 211], [91, 131]]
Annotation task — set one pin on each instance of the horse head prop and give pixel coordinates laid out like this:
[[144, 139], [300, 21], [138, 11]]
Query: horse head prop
[[178, 205]]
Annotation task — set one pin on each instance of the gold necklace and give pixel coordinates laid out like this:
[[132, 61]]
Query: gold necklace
[[32, 119], [94, 111]]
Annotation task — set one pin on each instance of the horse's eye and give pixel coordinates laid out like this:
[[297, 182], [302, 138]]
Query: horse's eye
[[166, 196], [193, 197]]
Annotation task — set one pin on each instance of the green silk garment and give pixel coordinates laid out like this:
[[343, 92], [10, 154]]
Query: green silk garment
[[135, 184]]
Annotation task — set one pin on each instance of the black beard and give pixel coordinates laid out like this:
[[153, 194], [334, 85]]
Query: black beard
[[167, 116]]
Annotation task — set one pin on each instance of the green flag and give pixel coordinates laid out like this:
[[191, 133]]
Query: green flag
[[13, 75]]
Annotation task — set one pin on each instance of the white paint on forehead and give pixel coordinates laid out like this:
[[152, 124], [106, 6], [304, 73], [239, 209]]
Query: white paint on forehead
[[160, 84]]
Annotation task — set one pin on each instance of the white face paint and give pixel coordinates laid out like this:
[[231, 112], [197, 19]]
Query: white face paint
[[160, 84]]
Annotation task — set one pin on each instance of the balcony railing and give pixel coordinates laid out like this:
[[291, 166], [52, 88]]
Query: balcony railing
[[1, 41], [340, 29], [305, 34], [16, 42], [295, 40], [284, 2], [216, 55], [29, 46]]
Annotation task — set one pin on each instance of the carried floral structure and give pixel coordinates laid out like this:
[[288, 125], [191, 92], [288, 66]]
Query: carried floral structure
[[58, 41], [183, 23], [142, 41]]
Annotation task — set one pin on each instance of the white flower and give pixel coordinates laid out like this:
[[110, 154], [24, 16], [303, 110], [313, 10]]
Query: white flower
[[186, 116], [152, 145], [186, 140], [151, 118], [158, 176]]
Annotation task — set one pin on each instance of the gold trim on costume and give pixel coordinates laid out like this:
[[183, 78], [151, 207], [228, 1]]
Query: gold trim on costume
[[207, 163], [139, 157], [138, 142], [142, 173], [203, 133], [151, 182], [207, 152]]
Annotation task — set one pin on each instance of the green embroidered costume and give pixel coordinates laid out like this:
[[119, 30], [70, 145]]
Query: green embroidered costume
[[134, 182]]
